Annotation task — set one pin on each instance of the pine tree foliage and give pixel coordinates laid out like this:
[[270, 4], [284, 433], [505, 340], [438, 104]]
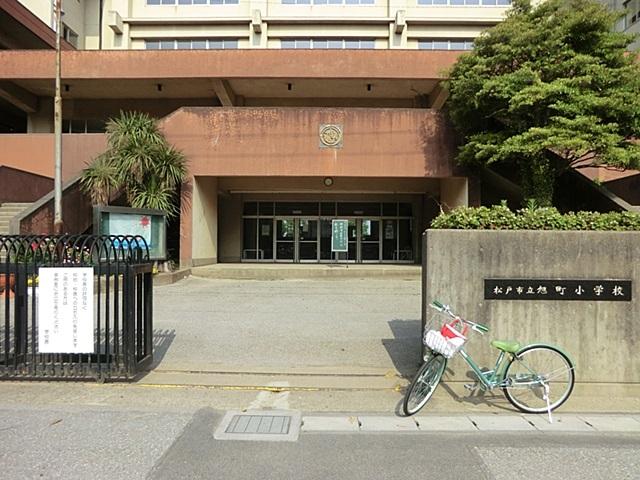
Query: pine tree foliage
[[550, 81]]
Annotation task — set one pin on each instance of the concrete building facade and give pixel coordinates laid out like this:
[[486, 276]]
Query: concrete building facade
[[291, 114]]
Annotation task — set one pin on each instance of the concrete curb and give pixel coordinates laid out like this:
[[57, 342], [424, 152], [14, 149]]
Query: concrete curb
[[564, 423]]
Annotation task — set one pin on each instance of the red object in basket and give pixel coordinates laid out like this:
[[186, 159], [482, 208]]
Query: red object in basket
[[449, 330]]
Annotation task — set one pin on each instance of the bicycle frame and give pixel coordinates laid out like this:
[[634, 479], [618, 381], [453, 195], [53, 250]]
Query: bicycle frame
[[491, 378]]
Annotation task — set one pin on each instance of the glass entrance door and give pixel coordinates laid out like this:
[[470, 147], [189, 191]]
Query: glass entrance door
[[285, 240], [369, 240], [307, 240]]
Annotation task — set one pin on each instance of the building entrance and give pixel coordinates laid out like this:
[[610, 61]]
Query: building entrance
[[300, 232]]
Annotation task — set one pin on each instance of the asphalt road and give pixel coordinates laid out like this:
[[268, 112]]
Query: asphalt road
[[84, 442]]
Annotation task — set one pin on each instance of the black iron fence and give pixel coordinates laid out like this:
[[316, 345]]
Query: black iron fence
[[75, 307]]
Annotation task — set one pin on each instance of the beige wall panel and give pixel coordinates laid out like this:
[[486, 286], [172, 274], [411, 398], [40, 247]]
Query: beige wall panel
[[74, 18], [454, 192], [140, 9], [444, 31], [455, 13], [188, 31], [204, 213], [43, 9], [337, 31], [91, 40], [276, 9]]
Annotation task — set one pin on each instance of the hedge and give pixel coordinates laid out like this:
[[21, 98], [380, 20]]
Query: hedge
[[500, 217]]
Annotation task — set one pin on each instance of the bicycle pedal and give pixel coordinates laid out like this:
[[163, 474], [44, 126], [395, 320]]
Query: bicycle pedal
[[471, 386]]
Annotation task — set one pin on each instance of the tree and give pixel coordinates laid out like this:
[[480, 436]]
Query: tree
[[139, 162], [551, 81]]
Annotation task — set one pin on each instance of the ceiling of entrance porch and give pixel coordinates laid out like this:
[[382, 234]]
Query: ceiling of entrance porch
[[286, 88]]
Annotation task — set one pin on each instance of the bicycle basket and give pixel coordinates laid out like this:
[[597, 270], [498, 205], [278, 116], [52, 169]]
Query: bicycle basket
[[441, 344], [449, 338]]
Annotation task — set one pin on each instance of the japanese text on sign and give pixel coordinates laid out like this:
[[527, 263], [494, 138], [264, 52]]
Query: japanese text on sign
[[532, 289], [65, 310], [339, 230]]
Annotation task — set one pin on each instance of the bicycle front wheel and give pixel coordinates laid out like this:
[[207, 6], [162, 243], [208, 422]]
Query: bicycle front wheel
[[424, 384], [536, 370]]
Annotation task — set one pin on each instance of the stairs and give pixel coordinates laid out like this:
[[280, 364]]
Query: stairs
[[7, 212]]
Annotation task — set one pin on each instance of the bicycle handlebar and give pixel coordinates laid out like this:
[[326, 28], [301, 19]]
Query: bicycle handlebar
[[477, 327]]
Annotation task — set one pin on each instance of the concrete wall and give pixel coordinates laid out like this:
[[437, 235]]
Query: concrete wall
[[20, 186], [34, 153], [205, 221], [285, 142], [602, 337]]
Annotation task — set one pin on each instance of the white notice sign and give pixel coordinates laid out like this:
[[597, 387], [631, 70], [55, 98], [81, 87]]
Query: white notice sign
[[65, 310]]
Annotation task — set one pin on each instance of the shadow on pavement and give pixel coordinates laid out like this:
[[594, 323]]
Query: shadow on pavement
[[405, 349], [162, 340]]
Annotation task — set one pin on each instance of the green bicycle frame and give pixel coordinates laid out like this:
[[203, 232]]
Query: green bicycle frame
[[489, 379]]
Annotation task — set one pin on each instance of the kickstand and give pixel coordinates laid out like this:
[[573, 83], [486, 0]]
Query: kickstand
[[546, 397]]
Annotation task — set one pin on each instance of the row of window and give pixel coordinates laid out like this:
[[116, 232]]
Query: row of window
[[332, 43], [192, 44], [446, 44], [328, 2], [332, 2], [482, 3], [303, 43], [192, 2], [347, 209]]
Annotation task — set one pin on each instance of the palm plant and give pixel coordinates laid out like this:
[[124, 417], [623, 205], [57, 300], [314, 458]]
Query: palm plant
[[138, 161]]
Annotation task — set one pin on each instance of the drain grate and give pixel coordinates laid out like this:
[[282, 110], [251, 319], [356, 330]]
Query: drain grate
[[259, 425]]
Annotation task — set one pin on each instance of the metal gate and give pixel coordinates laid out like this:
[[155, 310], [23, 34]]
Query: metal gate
[[122, 306]]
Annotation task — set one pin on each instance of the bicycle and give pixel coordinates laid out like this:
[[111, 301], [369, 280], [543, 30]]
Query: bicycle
[[526, 374]]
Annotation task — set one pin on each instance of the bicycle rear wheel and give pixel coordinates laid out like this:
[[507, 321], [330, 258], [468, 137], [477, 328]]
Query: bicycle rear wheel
[[527, 374], [424, 384]]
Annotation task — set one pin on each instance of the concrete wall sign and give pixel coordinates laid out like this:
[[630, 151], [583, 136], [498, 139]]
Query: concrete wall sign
[[331, 136], [601, 337], [532, 289]]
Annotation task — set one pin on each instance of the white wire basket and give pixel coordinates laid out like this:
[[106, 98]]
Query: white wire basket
[[446, 345]]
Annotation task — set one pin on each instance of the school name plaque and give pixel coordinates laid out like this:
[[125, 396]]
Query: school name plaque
[[536, 289]]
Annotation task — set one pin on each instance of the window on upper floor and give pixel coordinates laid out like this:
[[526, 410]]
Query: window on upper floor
[[328, 2], [192, 2], [328, 43], [445, 44], [69, 35], [633, 12], [191, 44], [481, 3]]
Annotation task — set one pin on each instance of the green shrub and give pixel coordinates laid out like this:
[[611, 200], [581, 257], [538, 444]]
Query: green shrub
[[499, 217]]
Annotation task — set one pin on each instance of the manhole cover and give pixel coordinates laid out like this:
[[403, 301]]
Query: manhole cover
[[261, 425]]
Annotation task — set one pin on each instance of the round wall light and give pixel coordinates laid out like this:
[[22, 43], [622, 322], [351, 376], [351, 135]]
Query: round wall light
[[328, 181]]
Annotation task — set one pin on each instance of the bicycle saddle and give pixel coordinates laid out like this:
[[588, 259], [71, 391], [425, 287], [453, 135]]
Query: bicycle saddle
[[506, 346]]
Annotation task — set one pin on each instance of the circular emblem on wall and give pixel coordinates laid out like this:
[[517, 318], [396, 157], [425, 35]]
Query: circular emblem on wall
[[330, 135]]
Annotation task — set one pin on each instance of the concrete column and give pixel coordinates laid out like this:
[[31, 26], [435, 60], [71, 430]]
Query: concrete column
[[454, 192], [204, 234]]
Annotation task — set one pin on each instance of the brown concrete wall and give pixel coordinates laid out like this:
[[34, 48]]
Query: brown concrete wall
[[77, 214], [35, 152], [19, 186], [249, 63], [285, 142], [627, 188]]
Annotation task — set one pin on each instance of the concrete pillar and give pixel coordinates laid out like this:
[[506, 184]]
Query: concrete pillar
[[204, 218], [454, 192]]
